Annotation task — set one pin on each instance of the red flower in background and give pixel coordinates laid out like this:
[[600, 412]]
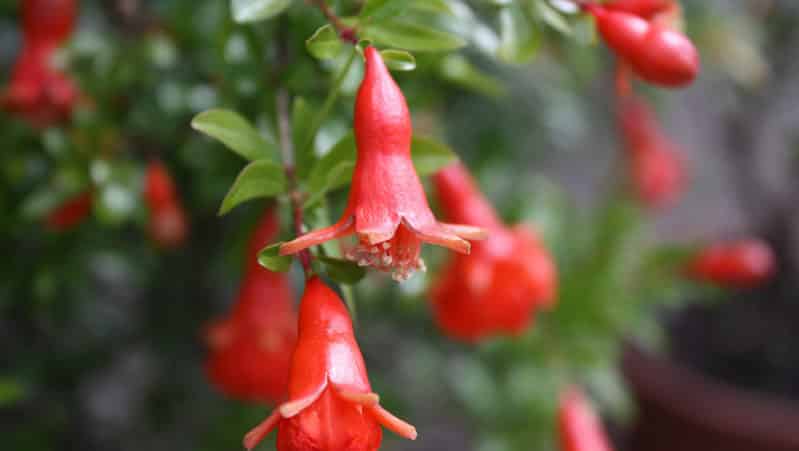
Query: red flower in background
[[654, 51], [331, 405], [644, 8], [656, 169], [496, 289], [70, 213], [37, 91], [387, 208], [251, 348], [167, 225], [740, 264], [579, 428]]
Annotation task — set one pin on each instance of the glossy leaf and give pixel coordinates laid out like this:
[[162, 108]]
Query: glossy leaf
[[235, 132], [270, 258], [399, 60], [260, 178], [342, 271], [412, 36], [324, 43], [245, 11]]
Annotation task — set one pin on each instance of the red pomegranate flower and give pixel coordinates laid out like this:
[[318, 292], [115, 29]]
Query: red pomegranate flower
[[507, 276], [740, 264], [656, 169], [37, 91], [655, 52], [251, 348], [167, 225], [331, 405], [643, 8], [70, 213], [387, 208], [579, 428]]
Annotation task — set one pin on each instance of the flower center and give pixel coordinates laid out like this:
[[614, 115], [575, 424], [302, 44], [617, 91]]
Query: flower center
[[398, 255]]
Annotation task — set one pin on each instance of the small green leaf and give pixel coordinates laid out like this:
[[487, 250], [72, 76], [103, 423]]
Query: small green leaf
[[302, 119], [11, 391], [552, 18], [458, 69], [324, 43], [412, 36], [321, 183], [260, 178], [399, 60], [235, 132], [270, 258], [378, 8], [342, 271], [245, 11], [430, 155], [520, 39]]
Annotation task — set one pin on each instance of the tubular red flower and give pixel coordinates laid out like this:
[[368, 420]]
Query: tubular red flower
[[70, 213], [168, 225], [37, 91], [251, 348], [387, 208], [496, 289], [655, 52], [331, 405], [643, 8], [656, 169], [579, 428], [740, 264]]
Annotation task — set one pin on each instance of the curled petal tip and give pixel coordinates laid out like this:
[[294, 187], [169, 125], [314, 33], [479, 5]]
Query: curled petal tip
[[392, 423]]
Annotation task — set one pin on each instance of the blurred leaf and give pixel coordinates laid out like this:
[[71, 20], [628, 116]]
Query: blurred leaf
[[270, 258], [412, 36], [552, 18], [457, 69], [334, 170], [245, 11], [235, 132], [302, 118], [324, 43], [342, 271], [377, 8], [399, 60], [260, 178], [11, 391], [519, 37]]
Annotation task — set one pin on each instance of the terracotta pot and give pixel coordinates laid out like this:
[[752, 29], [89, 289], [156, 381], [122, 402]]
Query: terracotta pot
[[683, 410]]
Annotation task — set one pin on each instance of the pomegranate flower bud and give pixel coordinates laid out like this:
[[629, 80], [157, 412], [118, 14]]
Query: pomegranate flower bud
[[387, 209], [579, 428], [739, 264], [495, 289], [251, 348], [167, 225], [656, 169], [48, 20], [655, 52], [642, 8], [70, 213], [331, 405]]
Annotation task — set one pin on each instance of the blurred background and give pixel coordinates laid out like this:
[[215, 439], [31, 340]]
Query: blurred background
[[102, 314]]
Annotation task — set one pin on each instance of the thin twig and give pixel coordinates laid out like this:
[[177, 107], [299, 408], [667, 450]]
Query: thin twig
[[346, 33]]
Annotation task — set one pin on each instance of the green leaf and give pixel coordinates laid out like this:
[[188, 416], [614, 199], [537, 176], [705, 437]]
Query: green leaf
[[245, 11], [377, 8], [324, 43], [399, 60], [457, 69], [334, 170], [270, 258], [260, 178], [381, 9], [519, 37], [412, 36], [235, 132], [342, 271], [552, 18], [302, 119], [11, 391]]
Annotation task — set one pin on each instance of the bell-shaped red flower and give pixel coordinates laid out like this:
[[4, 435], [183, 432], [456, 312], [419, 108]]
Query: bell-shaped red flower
[[579, 428], [38, 91], [739, 264], [655, 52], [656, 168], [331, 405], [387, 208], [70, 213], [251, 348], [643, 8], [496, 289], [168, 225]]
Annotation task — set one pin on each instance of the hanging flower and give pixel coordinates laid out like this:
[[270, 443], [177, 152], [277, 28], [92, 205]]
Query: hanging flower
[[655, 52], [579, 429], [656, 169], [740, 264], [643, 8], [39, 92], [70, 213], [251, 348], [496, 289], [167, 226], [331, 405], [387, 208]]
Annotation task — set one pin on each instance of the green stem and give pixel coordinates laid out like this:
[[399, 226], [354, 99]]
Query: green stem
[[307, 146]]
